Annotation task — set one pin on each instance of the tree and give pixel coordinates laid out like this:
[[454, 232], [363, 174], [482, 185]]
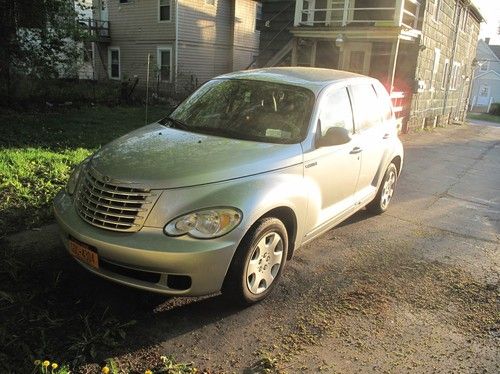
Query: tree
[[38, 38]]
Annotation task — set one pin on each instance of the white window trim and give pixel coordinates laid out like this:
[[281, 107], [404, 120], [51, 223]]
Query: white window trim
[[486, 65], [257, 6], [455, 75], [435, 66], [437, 9], [445, 73], [170, 16], [159, 49], [119, 63]]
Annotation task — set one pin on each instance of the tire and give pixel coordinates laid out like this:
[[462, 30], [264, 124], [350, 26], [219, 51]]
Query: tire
[[258, 263], [385, 192]]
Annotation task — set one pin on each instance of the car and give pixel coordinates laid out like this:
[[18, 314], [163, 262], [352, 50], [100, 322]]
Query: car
[[220, 194]]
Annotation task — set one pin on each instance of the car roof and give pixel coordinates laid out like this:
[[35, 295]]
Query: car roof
[[315, 79]]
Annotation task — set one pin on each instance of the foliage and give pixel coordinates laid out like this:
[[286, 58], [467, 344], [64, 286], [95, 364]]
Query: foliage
[[39, 38], [37, 151], [484, 117], [495, 109]]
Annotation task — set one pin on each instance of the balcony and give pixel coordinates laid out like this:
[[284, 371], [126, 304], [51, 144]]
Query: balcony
[[97, 29], [357, 13]]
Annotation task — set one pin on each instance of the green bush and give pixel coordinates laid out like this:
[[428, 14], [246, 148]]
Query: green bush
[[495, 109]]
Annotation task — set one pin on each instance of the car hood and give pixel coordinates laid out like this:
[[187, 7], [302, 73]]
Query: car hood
[[161, 157]]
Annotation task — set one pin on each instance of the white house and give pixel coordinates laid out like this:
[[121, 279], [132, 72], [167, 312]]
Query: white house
[[486, 81]]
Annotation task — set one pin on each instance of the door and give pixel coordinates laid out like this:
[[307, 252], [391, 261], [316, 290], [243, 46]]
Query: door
[[332, 171], [356, 57], [483, 98], [370, 137], [103, 11]]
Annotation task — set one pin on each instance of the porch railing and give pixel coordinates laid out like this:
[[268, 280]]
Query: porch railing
[[338, 13], [97, 28], [400, 104]]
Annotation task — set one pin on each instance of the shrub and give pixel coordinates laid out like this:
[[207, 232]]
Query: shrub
[[495, 109]]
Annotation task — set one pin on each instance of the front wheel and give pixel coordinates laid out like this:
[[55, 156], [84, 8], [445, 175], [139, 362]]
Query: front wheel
[[258, 262], [386, 190]]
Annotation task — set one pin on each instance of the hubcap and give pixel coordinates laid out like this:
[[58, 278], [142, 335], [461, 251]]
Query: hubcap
[[388, 190], [264, 263]]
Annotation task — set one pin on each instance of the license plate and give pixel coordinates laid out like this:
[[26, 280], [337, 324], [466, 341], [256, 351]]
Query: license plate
[[83, 252]]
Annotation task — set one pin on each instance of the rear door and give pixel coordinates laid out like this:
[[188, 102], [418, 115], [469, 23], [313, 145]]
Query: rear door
[[369, 137]]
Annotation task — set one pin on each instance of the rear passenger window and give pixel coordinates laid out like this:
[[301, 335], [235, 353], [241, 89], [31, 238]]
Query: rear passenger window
[[366, 107], [336, 111], [385, 102]]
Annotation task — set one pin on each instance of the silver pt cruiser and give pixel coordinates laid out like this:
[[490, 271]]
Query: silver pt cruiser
[[221, 193]]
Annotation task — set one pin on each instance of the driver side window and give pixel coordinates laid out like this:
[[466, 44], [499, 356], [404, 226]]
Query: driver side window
[[336, 111]]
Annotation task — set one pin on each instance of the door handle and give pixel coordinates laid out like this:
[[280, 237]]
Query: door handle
[[386, 136], [355, 150]]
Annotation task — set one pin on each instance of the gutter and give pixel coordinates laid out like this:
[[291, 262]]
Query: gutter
[[176, 42]]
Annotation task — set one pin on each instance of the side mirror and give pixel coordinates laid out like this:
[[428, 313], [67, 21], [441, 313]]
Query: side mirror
[[334, 136]]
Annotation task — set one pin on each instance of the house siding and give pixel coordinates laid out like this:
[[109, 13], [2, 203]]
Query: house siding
[[135, 29], [215, 39], [489, 77]]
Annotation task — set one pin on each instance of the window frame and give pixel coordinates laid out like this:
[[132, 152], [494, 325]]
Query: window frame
[[160, 49], [210, 2], [258, 14], [110, 70], [437, 9], [455, 75], [332, 91], [169, 13], [445, 73], [435, 67]]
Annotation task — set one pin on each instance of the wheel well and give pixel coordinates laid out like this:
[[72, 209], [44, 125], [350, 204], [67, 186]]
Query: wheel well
[[397, 161], [287, 216]]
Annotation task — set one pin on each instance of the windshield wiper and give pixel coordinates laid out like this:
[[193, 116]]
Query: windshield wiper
[[175, 123]]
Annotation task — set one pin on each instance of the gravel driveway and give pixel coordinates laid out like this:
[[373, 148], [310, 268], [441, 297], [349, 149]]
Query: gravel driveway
[[416, 289]]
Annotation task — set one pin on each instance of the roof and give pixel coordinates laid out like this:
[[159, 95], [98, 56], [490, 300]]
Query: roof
[[312, 78], [495, 49]]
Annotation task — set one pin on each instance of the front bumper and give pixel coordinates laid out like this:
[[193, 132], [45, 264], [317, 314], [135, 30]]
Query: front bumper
[[130, 257]]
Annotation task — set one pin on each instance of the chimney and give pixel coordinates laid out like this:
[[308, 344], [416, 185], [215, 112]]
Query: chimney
[[487, 40]]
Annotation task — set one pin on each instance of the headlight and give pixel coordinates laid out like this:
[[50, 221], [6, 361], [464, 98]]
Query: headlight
[[205, 224], [73, 180]]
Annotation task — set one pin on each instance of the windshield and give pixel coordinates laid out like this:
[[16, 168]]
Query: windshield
[[246, 109]]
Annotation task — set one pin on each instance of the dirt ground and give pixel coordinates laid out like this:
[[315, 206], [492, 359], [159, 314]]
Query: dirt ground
[[414, 290]]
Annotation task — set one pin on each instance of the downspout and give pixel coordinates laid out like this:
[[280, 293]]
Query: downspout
[[452, 60], [176, 42]]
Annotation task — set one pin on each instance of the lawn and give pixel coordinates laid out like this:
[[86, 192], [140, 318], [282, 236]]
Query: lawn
[[38, 150], [484, 117]]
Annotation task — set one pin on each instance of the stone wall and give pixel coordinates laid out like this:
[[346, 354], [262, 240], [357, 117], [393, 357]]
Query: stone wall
[[452, 37]]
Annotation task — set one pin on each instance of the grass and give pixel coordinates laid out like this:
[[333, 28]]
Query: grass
[[38, 150], [484, 117]]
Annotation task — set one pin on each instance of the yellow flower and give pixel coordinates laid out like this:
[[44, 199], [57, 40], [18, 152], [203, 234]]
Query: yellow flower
[[54, 366], [148, 372], [105, 370], [37, 362], [46, 363]]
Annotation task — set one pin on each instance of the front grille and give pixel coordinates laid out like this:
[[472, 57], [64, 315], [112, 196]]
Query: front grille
[[112, 206]]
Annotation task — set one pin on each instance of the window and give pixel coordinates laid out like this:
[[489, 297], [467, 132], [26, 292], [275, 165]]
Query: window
[[437, 56], [445, 73], [164, 10], [164, 61], [124, 1], [247, 109], [484, 65], [437, 8], [456, 13], [114, 69], [210, 2], [258, 15], [367, 113], [385, 102], [336, 111], [464, 15], [455, 76]]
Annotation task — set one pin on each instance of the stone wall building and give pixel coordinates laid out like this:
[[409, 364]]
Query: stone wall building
[[422, 51]]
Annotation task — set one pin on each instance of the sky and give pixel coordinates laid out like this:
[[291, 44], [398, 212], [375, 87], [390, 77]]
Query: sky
[[490, 9]]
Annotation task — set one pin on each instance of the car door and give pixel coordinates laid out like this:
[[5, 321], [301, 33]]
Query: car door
[[368, 139], [331, 170]]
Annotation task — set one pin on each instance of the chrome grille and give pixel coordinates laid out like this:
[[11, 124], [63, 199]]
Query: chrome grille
[[112, 206]]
